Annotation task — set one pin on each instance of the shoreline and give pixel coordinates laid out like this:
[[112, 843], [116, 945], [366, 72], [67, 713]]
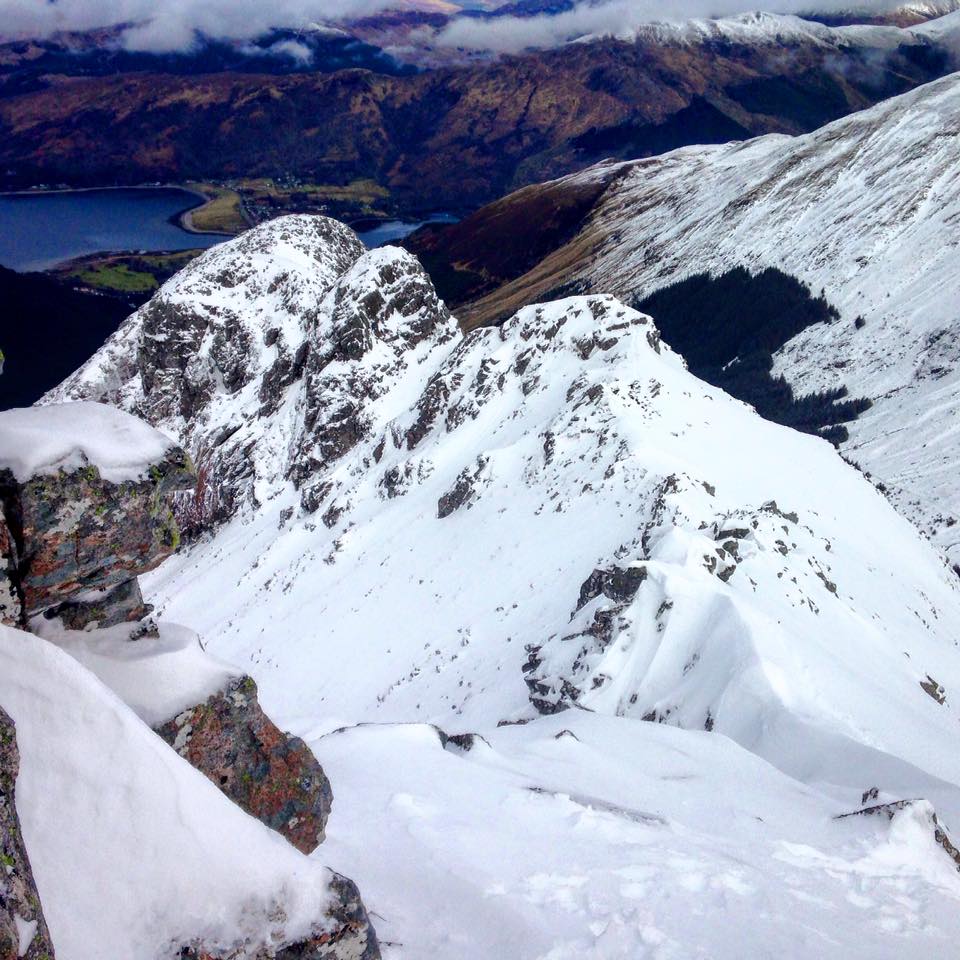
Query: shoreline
[[43, 191], [183, 220]]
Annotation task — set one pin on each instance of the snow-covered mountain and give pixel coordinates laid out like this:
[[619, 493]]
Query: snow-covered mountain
[[866, 209], [402, 525], [759, 29], [271, 353]]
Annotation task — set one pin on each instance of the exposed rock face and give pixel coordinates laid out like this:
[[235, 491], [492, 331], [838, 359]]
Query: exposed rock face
[[75, 531], [122, 604], [10, 605], [346, 933], [352, 936], [271, 357], [23, 930], [271, 775], [385, 318]]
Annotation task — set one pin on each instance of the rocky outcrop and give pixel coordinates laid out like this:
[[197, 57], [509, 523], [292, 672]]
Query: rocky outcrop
[[615, 588], [271, 775], [85, 506], [23, 930], [270, 358], [383, 313], [75, 531], [345, 933]]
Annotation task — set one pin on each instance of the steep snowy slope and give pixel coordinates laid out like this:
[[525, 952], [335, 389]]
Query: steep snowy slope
[[552, 514], [584, 836], [867, 209], [565, 514], [586, 522]]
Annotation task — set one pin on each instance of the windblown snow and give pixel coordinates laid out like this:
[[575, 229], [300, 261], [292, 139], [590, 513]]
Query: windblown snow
[[120, 446], [554, 517]]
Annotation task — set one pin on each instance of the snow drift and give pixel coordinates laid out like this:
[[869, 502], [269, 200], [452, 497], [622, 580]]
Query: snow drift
[[135, 853]]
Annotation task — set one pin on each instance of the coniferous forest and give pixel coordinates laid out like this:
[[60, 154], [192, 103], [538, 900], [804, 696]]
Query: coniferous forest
[[728, 327]]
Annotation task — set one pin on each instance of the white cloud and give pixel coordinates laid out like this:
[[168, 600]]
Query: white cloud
[[616, 17], [160, 25], [172, 24]]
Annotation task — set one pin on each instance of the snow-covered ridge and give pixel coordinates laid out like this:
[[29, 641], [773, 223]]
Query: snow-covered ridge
[[571, 425], [929, 8], [761, 28], [567, 442], [867, 209]]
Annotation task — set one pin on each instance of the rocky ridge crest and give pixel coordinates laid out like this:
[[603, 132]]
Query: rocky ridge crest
[[270, 357]]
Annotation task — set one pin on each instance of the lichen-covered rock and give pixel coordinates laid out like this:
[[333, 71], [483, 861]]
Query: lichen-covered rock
[[23, 930], [75, 531], [345, 933], [270, 774], [85, 502]]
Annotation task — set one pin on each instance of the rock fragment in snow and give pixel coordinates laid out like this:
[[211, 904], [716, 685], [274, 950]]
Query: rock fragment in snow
[[270, 774], [922, 810], [345, 933]]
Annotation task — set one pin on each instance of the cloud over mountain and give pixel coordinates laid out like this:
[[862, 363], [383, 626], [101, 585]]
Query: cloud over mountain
[[161, 25]]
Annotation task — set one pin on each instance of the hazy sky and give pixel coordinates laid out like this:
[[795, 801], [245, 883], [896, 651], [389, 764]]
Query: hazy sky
[[172, 24]]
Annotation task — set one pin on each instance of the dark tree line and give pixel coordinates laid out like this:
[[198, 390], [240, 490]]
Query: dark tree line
[[728, 327], [47, 330]]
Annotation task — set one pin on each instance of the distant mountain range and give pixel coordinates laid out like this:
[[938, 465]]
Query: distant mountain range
[[457, 138]]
